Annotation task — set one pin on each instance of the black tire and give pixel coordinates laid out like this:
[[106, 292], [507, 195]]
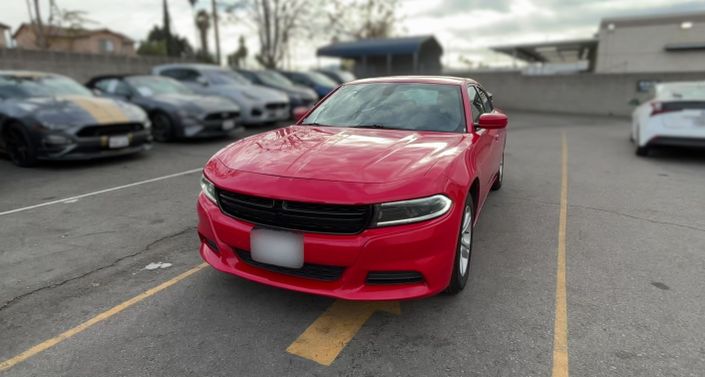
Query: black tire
[[459, 275], [162, 127], [642, 151], [500, 176], [21, 151]]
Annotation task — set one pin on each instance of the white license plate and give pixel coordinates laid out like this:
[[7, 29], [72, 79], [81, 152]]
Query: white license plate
[[278, 248], [228, 125], [118, 141]]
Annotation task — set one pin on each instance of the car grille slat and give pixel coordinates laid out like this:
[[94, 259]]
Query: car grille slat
[[222, 115], [307, 217], [310, 271], [109, 129]]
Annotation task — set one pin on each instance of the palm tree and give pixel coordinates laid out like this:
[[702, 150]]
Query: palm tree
[[203, 23]]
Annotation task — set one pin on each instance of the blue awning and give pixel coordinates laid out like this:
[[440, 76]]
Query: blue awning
[[367, 47]]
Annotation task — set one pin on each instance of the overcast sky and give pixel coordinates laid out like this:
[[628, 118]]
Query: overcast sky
[[463, 27]]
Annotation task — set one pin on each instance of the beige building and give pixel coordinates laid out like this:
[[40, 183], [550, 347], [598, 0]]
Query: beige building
[[98, 41], [4, 35], [673, 43], [670, 43]]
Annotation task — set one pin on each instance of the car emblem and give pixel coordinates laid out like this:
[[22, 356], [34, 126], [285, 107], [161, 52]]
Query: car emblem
[[225, 115]]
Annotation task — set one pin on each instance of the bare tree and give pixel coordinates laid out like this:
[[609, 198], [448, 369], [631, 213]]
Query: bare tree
[[41, 35], [203, 23], [276, 22], [362, 19]]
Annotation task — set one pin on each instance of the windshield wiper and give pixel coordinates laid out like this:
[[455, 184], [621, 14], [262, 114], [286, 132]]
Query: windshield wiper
[[377, 126], [315, 124]]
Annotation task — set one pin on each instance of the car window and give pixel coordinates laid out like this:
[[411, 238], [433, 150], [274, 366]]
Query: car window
[[486, 101], [321, 79], [148, 86], [422, 107], [225, 77], [476, 103], [274, 78], [181, 74], [106, 86]]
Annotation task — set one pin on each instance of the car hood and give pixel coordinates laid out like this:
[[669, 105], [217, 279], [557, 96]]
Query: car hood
[[341, 154], [194, 103], [58, 112]]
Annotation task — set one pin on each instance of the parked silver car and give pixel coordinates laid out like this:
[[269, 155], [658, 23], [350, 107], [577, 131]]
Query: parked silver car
[[258, 104]]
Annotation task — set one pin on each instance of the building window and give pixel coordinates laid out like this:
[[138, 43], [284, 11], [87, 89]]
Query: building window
[[107, 46], [686, 25]]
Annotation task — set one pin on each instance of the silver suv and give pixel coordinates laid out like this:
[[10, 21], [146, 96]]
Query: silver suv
[[258, 104]]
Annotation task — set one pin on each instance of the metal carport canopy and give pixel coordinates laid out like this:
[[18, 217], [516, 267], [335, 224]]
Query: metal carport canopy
[[367, 47]]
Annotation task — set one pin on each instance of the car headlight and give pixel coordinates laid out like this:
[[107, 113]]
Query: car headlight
[[410, 211], [147, 124], [208, 189]]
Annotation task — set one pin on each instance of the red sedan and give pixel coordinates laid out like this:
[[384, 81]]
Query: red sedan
[[372, 195]]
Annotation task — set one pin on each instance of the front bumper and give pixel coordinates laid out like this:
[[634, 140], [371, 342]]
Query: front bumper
[[427, 248], [206, 128], [264, 113], [86, 148]]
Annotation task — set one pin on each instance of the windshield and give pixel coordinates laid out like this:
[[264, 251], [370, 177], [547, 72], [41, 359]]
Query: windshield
[[321, 79], [274, 78], [225, 77], [684, 90], [422, 107], [152, 85], [40, 86]]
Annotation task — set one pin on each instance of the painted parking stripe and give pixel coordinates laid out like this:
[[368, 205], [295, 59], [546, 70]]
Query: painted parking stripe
[[333, 330], [560, 325], [43, 346], [75, 198]]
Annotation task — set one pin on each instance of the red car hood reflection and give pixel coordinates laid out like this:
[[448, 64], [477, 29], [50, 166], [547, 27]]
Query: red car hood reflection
[[341, 154]]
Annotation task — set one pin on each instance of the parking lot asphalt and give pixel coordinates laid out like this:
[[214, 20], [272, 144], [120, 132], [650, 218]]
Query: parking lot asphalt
[[635, 261]]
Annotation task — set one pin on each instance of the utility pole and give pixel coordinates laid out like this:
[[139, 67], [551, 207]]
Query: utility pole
[[217, 32], [40, 26]]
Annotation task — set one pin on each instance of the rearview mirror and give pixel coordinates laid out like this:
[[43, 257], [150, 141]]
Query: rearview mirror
[[493, 121], [300, 112]]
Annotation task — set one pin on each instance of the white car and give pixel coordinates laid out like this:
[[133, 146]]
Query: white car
[[674, 117], [258, 104]]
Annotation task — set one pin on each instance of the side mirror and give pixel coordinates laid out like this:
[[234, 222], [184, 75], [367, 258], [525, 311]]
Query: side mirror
[[493, 121], [634, 102], [300, 112]]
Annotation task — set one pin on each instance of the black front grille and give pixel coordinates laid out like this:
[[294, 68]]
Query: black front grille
[[222, 115], [274, 106], [311, 271], [394, 277], [308, 217], [109, 129]]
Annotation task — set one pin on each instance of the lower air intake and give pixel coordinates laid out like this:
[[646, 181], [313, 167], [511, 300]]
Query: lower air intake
[[394, 277]]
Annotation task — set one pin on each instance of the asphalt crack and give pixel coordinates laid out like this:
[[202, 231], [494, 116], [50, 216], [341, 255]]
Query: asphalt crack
[[15, 299]]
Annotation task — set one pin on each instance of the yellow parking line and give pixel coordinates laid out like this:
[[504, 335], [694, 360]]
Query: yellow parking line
[[43, 346], [331, 332], [560, 325]]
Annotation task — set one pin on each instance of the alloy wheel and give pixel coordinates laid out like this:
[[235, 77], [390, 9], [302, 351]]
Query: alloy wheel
[[465, 241]]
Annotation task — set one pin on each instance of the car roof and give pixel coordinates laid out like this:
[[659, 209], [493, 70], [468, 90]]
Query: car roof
[[445, 80]]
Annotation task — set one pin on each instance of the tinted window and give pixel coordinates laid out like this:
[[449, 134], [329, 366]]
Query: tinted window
[[181, 74], [150, 85], [427, 107], [113, 86], [225, 77], [486, 102], [476, 102]]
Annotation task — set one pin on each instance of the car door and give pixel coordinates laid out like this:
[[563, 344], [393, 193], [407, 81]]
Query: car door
[[499, 136], [482, 145]]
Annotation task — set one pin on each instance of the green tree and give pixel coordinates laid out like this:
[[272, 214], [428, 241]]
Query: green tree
[[156, 44]]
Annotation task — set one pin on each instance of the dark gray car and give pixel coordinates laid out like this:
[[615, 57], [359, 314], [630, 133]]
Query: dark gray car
[[175, 110], [299, 95]]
